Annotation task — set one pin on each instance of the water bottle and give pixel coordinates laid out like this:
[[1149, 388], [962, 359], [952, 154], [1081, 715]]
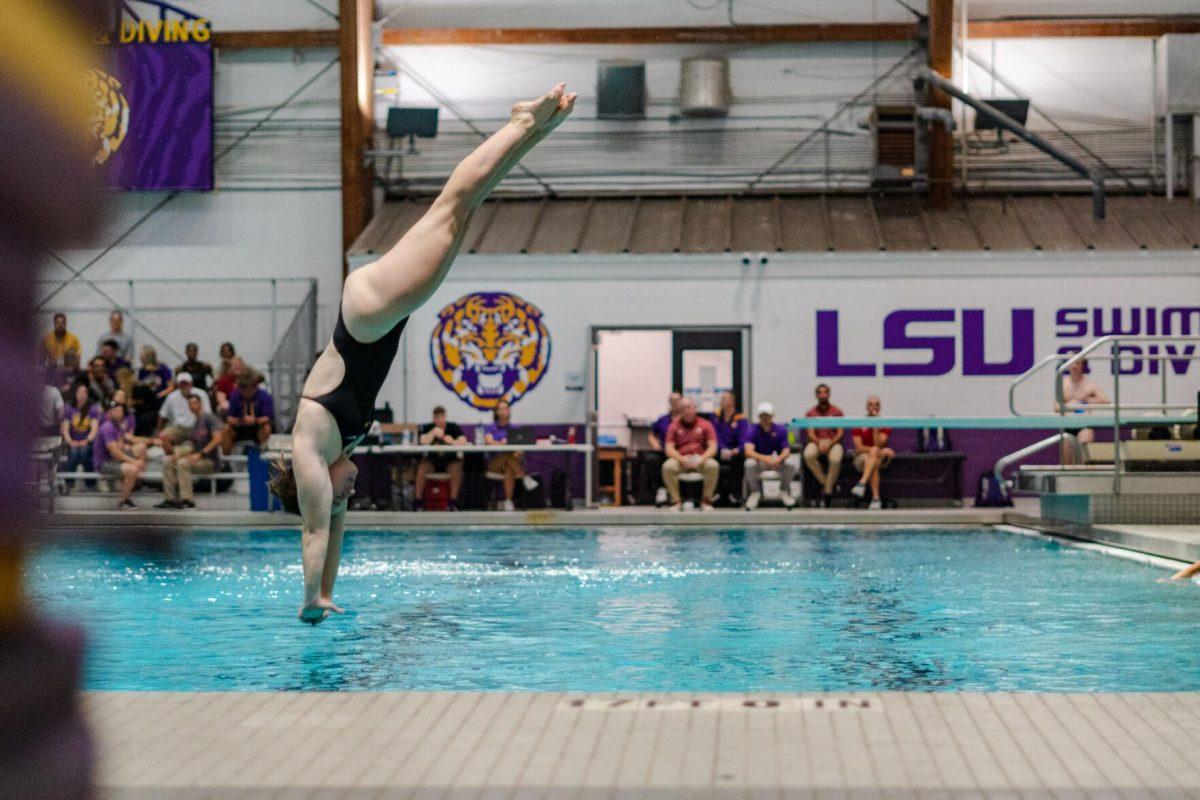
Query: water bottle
[[571, 435], [479, 433]]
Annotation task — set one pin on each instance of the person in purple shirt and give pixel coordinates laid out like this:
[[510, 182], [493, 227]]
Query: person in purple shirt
[[510, 465], [649, 463], [251, 414], [658, 431], [111, 355], [766, 448], [730, 425], [154, 375], [80, 424], [114, 457]]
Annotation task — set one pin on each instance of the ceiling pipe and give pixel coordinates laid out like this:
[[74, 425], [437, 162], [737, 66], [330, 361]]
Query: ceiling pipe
[[925, 74]]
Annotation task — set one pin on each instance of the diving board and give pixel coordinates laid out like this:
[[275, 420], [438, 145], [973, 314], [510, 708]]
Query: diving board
[[1051, 422]]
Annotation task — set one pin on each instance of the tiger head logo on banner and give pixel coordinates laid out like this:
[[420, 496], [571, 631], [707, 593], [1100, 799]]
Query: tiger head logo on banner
[[110, 116], [490, 346]]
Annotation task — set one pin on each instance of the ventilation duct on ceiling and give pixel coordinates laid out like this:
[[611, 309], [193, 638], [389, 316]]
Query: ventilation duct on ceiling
[[704, 88]]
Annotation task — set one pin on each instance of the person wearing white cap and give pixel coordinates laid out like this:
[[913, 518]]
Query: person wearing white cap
[[175, 419], [767, 450]]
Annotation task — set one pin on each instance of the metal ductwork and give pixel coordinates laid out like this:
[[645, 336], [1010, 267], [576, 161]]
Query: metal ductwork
[[704, 88], [1012, 126]]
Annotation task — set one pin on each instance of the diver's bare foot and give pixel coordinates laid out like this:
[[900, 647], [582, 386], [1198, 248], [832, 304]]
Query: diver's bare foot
[[318, 611], [565, 106], [535, 113]]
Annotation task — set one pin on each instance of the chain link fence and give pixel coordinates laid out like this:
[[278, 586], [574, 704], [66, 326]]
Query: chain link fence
[[292, 360]]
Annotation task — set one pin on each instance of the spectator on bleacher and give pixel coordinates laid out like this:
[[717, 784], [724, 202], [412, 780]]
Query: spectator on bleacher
[[116, 455], [510, 465], [650, 462], [871, 454], [731, 426], [198, 454], [58, 342], [66, 376], [117, 335], [226, 385], [824, 444], [51, 409], [201, 371], [175, 417], [658, 431], [80, 424], [109, 352], [98, 381], [767, 450], [1079, 391], [153, 374], [250, 416], [226, 352], [440, 434], [691, 444]]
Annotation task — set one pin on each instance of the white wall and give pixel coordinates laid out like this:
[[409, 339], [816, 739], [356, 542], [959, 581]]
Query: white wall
[[779, 301]]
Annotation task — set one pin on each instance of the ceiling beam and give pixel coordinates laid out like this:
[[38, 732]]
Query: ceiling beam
[[358, 116], [1037, 27], [273, 39], [741, 34], [941, 61]]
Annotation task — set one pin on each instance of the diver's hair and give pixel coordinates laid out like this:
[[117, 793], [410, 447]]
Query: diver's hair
[[283, 485]]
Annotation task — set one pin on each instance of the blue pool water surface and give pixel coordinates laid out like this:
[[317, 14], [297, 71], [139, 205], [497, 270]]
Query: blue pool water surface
[[632, 609]]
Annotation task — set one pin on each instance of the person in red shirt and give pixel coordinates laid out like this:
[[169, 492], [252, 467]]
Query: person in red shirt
[[824, 443], [691, 446], [871, 454]]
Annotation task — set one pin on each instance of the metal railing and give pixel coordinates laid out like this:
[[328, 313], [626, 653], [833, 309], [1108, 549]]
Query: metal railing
[[292, 360], [1096, 351]]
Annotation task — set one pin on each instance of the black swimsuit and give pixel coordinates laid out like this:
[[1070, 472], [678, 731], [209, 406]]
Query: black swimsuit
[[352, 403]]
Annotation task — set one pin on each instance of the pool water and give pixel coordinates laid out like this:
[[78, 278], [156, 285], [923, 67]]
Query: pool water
[[771, 609]]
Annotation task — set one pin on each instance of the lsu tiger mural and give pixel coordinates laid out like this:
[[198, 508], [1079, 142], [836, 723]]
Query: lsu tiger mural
[[110, 115], [490, 346]]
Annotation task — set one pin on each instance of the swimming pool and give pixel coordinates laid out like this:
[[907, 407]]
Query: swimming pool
[[769, 609]]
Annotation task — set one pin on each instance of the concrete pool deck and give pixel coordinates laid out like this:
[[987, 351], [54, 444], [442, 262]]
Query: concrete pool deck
[[387, 746]]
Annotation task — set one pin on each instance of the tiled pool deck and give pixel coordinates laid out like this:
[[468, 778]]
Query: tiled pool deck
[[386, 746]]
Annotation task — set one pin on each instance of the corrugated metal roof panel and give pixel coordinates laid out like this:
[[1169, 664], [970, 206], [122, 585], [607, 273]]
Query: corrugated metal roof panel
[[512, 228], [707, 225], [803, 223], [1184, 214], [609, 225], [952, 230], [1106, 234], [1146, 225], [659, 225], [1048, 228], [561, 225], [998, 224], [481, 220], [755, 225], [852, 220], [902, 222]]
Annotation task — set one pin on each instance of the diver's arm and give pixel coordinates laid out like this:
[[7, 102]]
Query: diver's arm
[[315, 494], [1187, 572], [333, 553]]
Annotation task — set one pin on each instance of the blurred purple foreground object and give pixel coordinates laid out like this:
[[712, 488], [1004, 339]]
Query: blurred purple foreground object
[[47, 191]]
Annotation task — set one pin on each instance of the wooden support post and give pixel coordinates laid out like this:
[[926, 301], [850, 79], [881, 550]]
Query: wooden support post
[[941, 143], [357, 58]]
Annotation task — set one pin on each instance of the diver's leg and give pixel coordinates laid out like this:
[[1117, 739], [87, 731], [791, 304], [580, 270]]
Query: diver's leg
[[380, 294]]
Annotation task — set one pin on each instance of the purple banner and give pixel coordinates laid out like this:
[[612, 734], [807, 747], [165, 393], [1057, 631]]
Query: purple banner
[[157, 117]]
